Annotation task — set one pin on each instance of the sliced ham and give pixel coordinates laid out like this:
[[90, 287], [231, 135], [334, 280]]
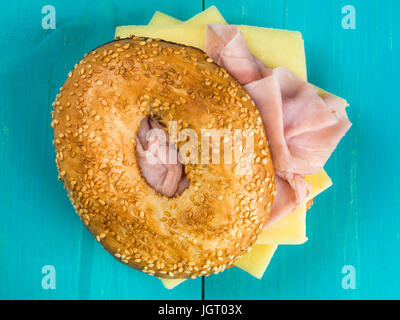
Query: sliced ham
[[303, 129], [158, 159]]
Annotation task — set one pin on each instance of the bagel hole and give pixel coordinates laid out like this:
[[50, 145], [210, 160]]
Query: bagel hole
[[158, 159]]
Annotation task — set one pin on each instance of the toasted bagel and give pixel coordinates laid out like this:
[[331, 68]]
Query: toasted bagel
[[96, 117]]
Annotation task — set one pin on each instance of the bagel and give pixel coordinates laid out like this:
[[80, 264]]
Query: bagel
[[96, 118]]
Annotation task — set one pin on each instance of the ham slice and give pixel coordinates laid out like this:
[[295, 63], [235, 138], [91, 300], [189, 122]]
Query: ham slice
[[302, 128], [158, 159]]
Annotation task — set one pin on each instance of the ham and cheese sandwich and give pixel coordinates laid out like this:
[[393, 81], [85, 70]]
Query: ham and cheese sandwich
[[125, 177], [302, 127]]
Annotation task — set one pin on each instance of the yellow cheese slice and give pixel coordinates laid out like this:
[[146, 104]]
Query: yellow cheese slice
[[208, 16], [172, 283], [288, 230], [273, 47], [184, 34], [291, 229], [277, 48], [257, 259], [160, 18], [320, 182]]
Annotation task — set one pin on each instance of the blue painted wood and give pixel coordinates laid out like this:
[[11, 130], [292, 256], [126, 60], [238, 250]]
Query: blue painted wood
[[357, 221], [38, 225]]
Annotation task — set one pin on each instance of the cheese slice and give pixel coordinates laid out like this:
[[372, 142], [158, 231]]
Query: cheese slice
[[160, 18], [171, 283], [208, 16], [272, 46], [320, 182], [184, 34], [288, 230], [277, 48], [257, 259], [291, 229]]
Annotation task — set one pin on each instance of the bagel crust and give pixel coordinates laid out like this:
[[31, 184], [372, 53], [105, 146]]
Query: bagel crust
[[96, 117]]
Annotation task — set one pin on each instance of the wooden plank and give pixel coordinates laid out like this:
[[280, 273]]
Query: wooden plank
[[38, 225], [356, 222]]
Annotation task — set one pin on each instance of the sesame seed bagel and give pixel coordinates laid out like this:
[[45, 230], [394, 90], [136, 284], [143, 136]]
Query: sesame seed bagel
[[96, 117]]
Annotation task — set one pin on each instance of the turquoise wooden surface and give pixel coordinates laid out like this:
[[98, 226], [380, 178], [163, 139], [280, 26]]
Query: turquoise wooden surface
[[355, 223]]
